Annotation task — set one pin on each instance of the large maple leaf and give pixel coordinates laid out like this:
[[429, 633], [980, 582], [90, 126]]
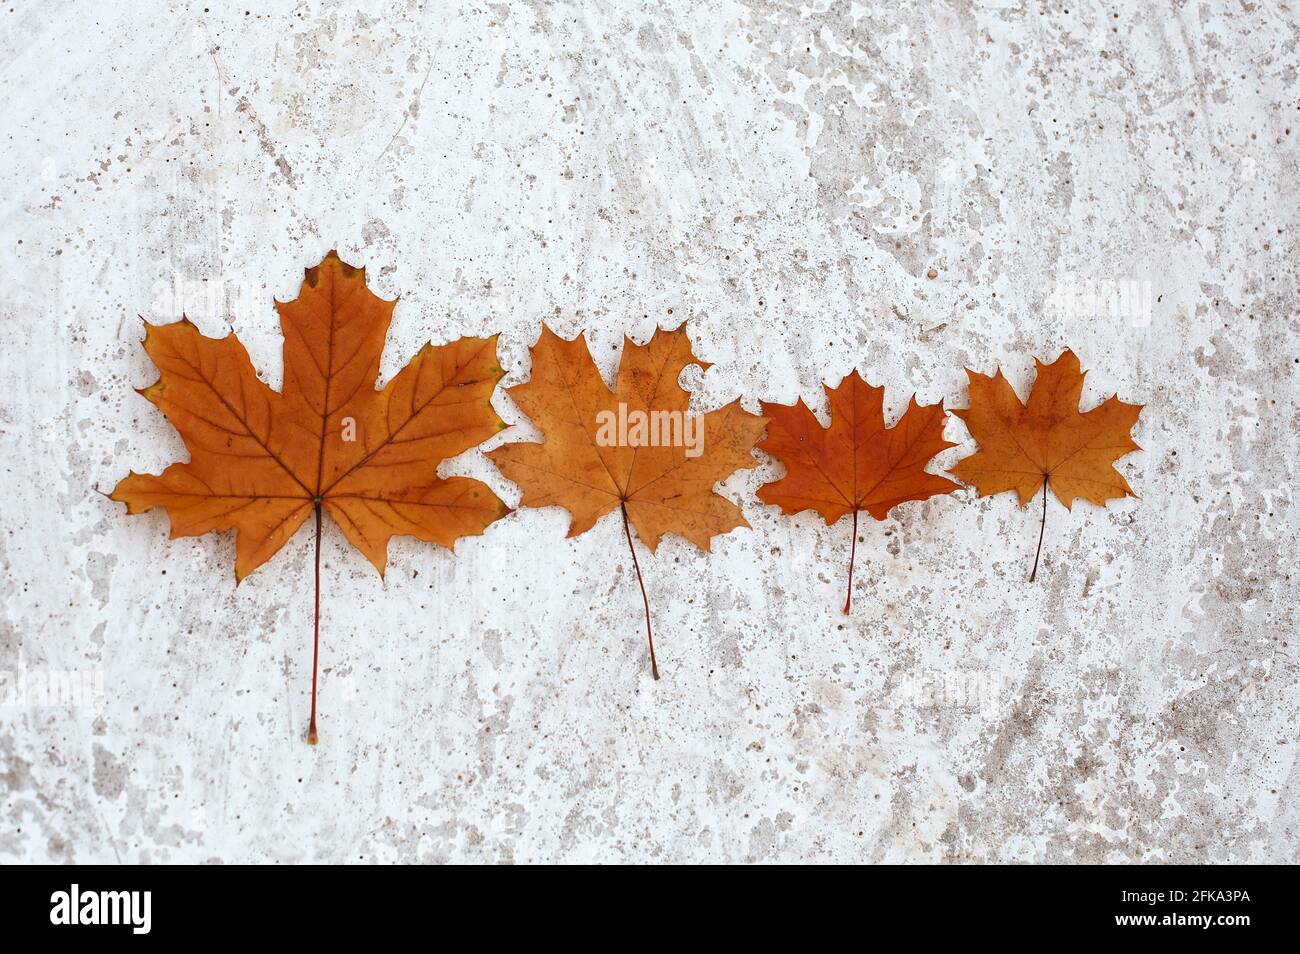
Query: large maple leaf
[[1046, 442], [262, 462], [599, 453], [855, 463]]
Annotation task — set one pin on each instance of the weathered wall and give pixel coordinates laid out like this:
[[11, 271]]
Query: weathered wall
[[788, 178]]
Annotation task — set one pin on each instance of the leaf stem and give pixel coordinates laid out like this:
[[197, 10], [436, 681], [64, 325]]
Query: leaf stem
[[312, 737], [1041, 527], [853, 550], [654, 666]]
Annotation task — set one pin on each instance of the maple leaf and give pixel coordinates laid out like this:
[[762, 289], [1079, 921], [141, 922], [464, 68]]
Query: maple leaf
[[855, 463], [262, 462], [1046, 442], [600, 450]]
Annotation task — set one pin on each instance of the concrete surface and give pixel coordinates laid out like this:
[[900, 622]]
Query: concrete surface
[[815, 188]]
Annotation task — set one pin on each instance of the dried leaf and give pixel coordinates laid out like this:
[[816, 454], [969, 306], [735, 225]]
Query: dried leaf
[[1046, 442], [856, 463], [659, 488], [262, 461]]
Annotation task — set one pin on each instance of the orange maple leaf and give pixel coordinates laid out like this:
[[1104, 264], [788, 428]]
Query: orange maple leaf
[[262, 461], [1046, 442], [635, 448], [855, 463]]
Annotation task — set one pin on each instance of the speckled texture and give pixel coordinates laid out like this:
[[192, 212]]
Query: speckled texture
[[814, 188]]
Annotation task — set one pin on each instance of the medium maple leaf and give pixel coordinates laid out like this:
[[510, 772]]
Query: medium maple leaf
[[1046, 442], [262, 462], [856, 463], [634, 449]]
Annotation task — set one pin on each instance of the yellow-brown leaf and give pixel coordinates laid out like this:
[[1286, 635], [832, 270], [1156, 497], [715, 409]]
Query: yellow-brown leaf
[[1046, 441], [261, 460], [659, 489], [663, 489]]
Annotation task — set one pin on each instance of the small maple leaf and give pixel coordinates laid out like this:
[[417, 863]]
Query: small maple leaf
[[262, 461], [605, 450], [1047, 442], [856, 463]]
